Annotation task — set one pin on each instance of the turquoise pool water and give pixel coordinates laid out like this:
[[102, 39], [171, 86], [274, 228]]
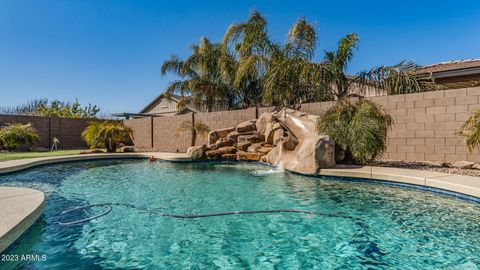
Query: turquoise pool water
[[380, 227]]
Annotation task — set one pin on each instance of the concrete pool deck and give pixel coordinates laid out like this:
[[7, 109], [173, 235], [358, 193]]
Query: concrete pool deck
[[21, 207]]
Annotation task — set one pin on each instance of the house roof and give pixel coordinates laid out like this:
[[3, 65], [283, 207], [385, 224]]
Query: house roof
[[175, 98], [454, 65]]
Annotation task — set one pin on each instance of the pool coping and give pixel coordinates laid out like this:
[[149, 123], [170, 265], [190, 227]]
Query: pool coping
[[29, 206], [21, 208]]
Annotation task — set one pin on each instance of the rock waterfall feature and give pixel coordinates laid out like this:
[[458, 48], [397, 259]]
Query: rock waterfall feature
[[286, 139]]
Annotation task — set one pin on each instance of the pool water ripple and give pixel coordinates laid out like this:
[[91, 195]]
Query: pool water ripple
[[388, 227]]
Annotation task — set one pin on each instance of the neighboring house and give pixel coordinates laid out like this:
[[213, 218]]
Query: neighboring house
[[454, 74], [448, 75], [164, 105]]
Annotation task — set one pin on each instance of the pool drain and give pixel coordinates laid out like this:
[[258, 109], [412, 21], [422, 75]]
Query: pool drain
[[108, 207]]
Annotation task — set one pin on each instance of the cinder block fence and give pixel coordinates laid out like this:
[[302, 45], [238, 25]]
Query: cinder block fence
[[425, 126], [67, 130]]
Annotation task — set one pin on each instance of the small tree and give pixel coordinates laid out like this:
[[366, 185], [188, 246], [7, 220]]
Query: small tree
[[198, 128], [54, 108], [359, 128], [14, 135], [471, 131], [108, 134]]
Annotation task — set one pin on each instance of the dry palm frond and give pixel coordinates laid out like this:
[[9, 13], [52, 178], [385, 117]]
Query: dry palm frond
[[471, 131]]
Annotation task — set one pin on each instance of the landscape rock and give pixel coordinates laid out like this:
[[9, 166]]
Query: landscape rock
[[197, 152], [287, 138], [264, 149], [234, 134], [254, 138], [276, 125], [229, 156], [269, 132], [246, 126], [243, 146], [221, 151], [254, 147], [476, 166], [128, 149], [290, 142], [262, 121], [212, 147], [222, 142], [214, 135], [249, 156], [307, 152], [278, 135], [464, 164]]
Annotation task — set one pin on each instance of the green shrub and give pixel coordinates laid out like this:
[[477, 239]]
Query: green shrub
[[358, 128], [14, 135], [107, 134], [471, 131]]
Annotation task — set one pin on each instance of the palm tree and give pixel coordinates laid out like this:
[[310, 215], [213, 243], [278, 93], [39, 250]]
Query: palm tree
[[197, 128], [359, 129], [108, 134], [293, 77], [249, 47], [398, 79], [200, 80], [248, 69], [471, 131]]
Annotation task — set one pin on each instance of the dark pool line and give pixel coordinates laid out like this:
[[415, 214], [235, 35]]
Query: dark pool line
[[108, 207]]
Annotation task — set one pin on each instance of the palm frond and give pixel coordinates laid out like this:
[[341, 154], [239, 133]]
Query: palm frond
[[398, 79], [346, 47], [174, 65], [302, 39], [471, 131]]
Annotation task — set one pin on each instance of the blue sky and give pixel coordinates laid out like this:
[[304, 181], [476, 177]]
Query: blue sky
[[109, 52]]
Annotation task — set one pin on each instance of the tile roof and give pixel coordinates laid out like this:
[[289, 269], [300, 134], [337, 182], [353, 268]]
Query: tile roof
[[449, 65]]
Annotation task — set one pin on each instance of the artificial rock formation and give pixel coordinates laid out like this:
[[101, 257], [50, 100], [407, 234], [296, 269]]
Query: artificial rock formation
[[197, 152], [286, 138]]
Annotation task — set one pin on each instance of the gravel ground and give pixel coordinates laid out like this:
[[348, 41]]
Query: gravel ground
[[428, 166]]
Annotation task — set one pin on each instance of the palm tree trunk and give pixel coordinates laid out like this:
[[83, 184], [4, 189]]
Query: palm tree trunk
[[194, 136]]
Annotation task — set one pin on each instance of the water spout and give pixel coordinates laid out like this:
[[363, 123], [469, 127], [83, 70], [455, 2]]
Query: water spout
[[279, 163]]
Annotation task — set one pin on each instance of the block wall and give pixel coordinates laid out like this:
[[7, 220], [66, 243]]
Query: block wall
[[67, 130], [425, 126]]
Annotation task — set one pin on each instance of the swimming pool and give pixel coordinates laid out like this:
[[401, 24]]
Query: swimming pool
[[360, 225]]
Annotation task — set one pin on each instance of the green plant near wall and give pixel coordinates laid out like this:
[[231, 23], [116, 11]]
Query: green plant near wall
[[196, 128], [15, 135], [471, 131], [106, 134], [359, 129]]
